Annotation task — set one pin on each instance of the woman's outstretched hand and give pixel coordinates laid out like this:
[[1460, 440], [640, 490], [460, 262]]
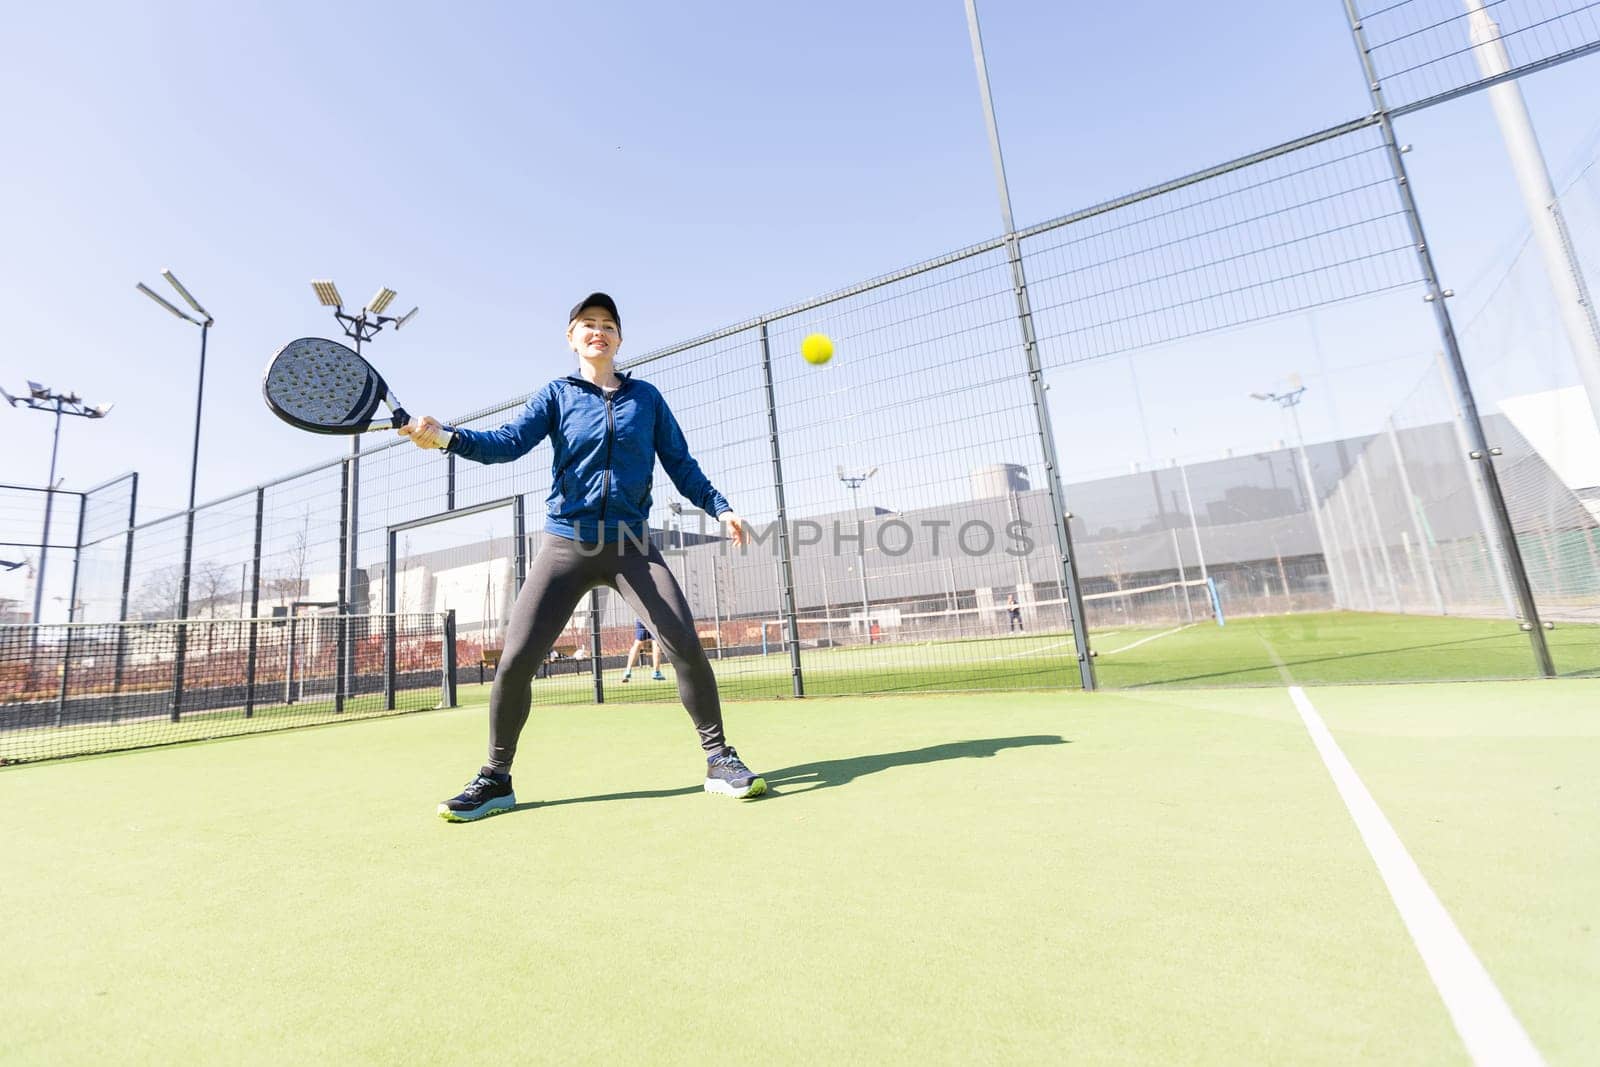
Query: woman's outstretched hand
[[737, 527], [425, 432]]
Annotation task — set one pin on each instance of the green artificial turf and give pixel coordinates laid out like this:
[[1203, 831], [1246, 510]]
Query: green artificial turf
[[1161, 876]]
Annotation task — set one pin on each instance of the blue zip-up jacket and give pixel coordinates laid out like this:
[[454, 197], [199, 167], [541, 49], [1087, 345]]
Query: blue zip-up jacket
[[605, 456]]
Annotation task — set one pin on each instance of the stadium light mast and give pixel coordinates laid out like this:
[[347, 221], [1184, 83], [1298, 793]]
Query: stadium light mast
[[205, 322], [360, 328], [1290, 402], [854, 482], [43, 398], [1549, 223]]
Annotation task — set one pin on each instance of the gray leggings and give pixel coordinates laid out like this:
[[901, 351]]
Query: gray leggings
[[561, 574]]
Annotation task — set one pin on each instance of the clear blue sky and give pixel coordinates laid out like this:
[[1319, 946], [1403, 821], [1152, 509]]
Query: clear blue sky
[[492, 161]]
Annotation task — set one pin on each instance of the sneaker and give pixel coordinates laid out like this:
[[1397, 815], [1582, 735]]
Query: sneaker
[[658, 677], [627, 676], [487, 794], [727, 774]]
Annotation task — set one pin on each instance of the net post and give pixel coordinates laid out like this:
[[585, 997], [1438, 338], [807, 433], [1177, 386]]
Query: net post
[[390, 599], [594, 647], [447, 662], [66, 670], [342, 616], [450, 481], [255, 609], [786, 559]]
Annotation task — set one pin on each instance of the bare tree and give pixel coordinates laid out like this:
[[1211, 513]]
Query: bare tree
[[291, 581], [158, 593], [207, 582]]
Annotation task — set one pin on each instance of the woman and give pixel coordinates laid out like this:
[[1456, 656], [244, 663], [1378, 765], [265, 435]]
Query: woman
[[607, 430]]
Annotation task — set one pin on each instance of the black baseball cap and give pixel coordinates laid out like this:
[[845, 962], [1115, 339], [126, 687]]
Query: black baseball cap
[[596, 300]]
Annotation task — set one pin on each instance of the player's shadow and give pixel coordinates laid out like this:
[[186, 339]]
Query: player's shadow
[[826, 774]]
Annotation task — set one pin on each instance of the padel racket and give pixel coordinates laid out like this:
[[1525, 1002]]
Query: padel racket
[[322, 386]]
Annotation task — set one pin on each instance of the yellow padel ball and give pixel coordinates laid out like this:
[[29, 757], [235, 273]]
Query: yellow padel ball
[[816, 349]]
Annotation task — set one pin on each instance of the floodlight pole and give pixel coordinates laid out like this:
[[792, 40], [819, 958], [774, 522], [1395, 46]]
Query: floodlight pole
[[854, 482], [1060, 516], [1545, 213], [360, 328], [1290, 402], [49, 502], [204, 322]]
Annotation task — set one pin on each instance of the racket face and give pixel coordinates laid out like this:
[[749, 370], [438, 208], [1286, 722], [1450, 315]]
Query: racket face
[[322, 386]]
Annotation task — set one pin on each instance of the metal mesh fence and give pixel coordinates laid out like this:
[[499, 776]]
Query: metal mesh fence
[[72, 690], [34, 524], [109, 513], [1223, 383], [1545, 449], [1428, 50]]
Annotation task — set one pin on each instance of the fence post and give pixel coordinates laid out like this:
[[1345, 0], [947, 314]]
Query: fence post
[[448, 662], [1060, 517], [391, 599], [255, 609], [342, 616], [594, 647], [1478, 446], [122, 608], [519, 553], [72, 613], [791, 620]]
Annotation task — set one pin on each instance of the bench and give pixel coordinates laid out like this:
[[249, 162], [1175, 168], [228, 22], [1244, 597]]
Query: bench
[[489, 660]]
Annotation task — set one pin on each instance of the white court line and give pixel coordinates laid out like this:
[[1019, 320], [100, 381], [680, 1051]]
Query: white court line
[[1486, 1023], [1147, 640], [1033, 651]]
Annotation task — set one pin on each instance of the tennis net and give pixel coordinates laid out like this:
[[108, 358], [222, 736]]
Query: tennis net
[[78, 689], [1163, 604]]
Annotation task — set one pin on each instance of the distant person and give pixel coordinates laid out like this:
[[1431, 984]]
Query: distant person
[[1013, 614], [640, 636]]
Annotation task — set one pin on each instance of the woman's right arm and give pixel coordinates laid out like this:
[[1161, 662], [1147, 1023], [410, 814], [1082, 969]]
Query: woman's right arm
[[512, 441]]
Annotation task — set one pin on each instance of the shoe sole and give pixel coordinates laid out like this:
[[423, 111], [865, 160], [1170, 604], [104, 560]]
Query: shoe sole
[[482, 811], [754, 789]]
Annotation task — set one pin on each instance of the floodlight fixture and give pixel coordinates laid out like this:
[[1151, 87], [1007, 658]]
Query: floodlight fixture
[[407, 317], [158, 298], [381, 300], [328, 293], [43, 398], [187, 296]]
